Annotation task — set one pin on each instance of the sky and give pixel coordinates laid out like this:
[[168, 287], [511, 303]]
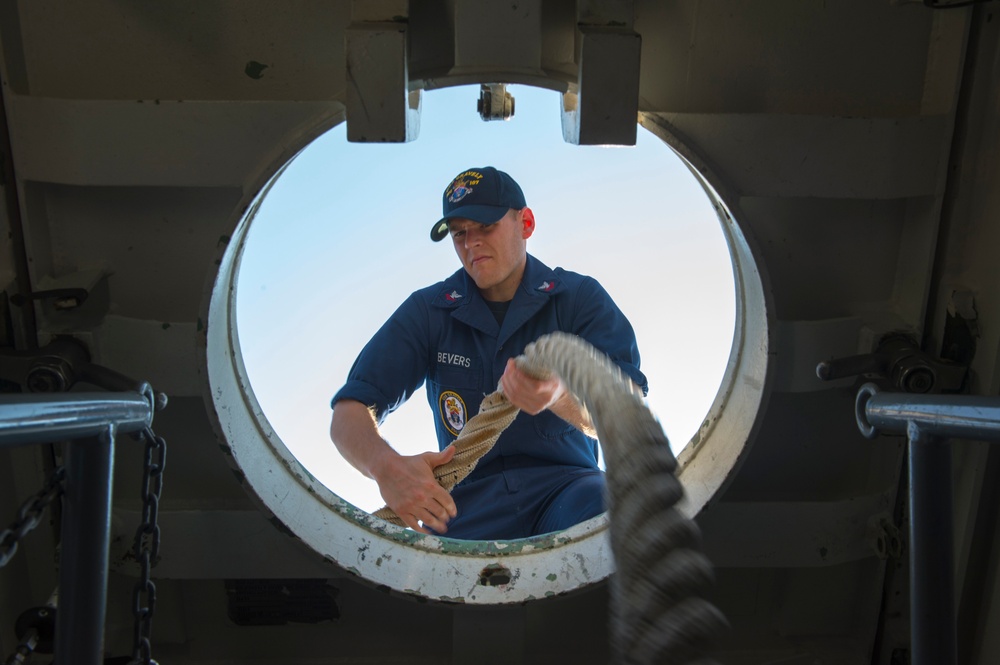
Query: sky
[[342, 239]]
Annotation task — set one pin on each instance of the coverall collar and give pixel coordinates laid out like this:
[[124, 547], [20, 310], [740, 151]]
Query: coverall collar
[[459, 293]]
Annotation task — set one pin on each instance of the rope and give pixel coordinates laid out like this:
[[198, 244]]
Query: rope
[[475, 440], [658, 610]]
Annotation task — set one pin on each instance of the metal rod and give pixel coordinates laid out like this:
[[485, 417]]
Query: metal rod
[[961, 416], [932, 586], [928, 421], [84, 549], [42, 418]]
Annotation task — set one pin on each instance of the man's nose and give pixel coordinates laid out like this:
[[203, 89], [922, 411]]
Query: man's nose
[[473, 236]]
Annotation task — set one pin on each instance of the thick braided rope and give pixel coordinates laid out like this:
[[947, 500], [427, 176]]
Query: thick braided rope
[[658, 610], [475, 440]]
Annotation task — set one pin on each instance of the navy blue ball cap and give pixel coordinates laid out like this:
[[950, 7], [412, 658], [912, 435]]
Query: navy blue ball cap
[[483, 195]]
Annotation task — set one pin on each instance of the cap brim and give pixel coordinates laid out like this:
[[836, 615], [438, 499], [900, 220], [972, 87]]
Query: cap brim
[[483, 214]]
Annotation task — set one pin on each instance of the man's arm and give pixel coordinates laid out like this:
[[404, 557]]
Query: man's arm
[[406, 482]]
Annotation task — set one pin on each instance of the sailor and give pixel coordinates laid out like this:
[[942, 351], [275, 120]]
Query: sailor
[[460, 336]]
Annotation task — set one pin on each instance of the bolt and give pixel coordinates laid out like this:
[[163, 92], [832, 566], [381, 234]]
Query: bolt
[[46, 380], [919, 380]]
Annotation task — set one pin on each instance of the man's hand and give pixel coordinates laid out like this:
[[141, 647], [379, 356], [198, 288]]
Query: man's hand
[[408, 485], [529, 394], [536, 395]]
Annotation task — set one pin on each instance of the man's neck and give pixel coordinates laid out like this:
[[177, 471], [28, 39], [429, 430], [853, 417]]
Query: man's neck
[[505, 290]]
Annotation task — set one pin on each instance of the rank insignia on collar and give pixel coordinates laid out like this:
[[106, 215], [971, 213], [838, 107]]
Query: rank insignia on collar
[[546, 286], [453, 296]]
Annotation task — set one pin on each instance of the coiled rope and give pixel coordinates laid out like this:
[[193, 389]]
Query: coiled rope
[[658, 610]]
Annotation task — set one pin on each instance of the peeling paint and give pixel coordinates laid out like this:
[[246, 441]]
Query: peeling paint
[[496, 575], [582, 560], [255, 70]]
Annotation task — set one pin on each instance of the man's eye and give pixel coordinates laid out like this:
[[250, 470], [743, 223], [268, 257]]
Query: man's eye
[[458, 234]]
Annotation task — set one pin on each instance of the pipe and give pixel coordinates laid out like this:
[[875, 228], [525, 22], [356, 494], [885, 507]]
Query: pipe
[[961, 416], [42, 418], [928, 420], [933, 634], [84, 550]]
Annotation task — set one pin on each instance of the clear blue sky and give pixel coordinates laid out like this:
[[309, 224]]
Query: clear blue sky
[[342, 239]]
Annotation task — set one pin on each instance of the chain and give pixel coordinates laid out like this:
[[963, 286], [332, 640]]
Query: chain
[[24, 650], [146, 547], [29, 515]]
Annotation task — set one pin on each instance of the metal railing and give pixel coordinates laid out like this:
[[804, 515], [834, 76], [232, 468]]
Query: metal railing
[[928, 422], [89, 422]]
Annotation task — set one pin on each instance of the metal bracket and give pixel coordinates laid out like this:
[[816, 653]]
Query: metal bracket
[[885, 537], [61, 298], [899, 359], [494, 102]]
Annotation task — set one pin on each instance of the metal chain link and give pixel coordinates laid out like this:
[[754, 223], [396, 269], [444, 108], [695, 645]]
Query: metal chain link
[[146, 546], [30, 515], [24, 650]]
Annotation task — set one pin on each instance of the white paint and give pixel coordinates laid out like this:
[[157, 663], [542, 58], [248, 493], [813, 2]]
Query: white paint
[[442, 568]]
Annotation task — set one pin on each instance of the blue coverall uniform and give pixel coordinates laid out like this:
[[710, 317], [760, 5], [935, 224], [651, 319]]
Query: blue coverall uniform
[[542, 474]]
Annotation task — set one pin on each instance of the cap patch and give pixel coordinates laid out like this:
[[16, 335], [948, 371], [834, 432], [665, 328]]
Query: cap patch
[[462, 186], [452, 411]]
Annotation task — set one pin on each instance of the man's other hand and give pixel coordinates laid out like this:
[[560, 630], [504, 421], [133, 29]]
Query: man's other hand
[[408, 485]]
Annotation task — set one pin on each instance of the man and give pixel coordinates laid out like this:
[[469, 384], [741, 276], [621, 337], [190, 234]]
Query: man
[[460, 336]]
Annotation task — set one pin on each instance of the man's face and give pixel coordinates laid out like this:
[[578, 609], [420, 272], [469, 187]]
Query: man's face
[[494, 255]]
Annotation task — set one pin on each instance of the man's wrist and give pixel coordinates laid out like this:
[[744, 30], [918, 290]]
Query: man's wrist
[[381, 463]]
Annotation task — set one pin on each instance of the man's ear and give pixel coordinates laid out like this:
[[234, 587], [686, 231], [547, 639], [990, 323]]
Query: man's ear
[[528, 220]]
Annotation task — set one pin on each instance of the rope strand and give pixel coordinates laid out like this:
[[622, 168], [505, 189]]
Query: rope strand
[[658, 610]]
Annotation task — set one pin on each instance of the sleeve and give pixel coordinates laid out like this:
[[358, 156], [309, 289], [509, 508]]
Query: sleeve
[[597, 319], [393, 365]]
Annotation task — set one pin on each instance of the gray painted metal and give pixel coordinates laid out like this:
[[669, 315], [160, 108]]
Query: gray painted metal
[[932, 585], [961, 416], [44, 418], [927, 422], [86, 529]]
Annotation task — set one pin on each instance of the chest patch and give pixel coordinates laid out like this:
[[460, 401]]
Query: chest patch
[[453, 412]]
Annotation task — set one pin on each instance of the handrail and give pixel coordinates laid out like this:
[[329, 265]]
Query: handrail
[[44, 418], [928, 421], [962, 416], [89, 423]]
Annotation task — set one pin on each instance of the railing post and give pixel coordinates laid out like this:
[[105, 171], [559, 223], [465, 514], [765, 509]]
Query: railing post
[[932, 567], [91, 420], [84, 549], [929, 421]]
